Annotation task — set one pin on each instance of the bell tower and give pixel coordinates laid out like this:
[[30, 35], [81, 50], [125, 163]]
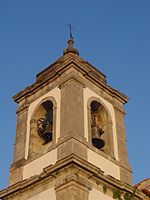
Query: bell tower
[[71, 135]]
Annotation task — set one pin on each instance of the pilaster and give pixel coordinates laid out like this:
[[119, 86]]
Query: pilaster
[[16, 170], [19, 151], [125, 169], [72, 113]]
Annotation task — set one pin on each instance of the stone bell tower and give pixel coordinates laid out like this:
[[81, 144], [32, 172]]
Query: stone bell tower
[[71, 136]]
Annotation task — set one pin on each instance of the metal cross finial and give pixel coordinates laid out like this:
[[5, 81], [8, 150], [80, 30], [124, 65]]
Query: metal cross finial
[[71, 28]]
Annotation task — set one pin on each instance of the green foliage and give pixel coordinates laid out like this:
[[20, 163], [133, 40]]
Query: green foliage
[[105, 189], [127, 196], [117, 194]]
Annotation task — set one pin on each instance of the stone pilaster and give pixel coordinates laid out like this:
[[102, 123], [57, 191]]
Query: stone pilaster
[[72, 139], [72, 186], [125, 169], [72, 113], [19, 152], [16, 170]]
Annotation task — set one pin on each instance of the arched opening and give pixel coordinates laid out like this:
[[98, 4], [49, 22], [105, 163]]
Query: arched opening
[[43, 128], [44, 117], [98, 119], [100, 126]]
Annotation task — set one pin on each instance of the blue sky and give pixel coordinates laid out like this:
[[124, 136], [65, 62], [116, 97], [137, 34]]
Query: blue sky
[[113, 35]]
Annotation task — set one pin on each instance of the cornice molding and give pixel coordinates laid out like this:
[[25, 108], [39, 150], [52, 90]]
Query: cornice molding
[[56, 70], [70, 162]]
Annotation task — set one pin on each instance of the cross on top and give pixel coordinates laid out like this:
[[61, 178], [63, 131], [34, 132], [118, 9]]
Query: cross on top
[[71, 28]]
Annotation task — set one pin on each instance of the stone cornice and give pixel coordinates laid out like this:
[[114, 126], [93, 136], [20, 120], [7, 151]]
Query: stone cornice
[[55, 71], [72, 161]]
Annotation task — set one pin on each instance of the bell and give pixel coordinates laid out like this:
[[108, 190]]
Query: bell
[[96, 140], [47, 136], [44, 129]]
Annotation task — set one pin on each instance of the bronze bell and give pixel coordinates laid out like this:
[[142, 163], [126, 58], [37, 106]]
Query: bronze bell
[[96, 137], [47, 136], [44, 130]]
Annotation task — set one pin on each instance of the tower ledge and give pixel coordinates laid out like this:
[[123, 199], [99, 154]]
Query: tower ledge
[[77, 172]]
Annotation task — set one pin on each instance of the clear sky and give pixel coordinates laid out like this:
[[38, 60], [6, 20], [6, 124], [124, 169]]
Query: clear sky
[[113, 35]]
